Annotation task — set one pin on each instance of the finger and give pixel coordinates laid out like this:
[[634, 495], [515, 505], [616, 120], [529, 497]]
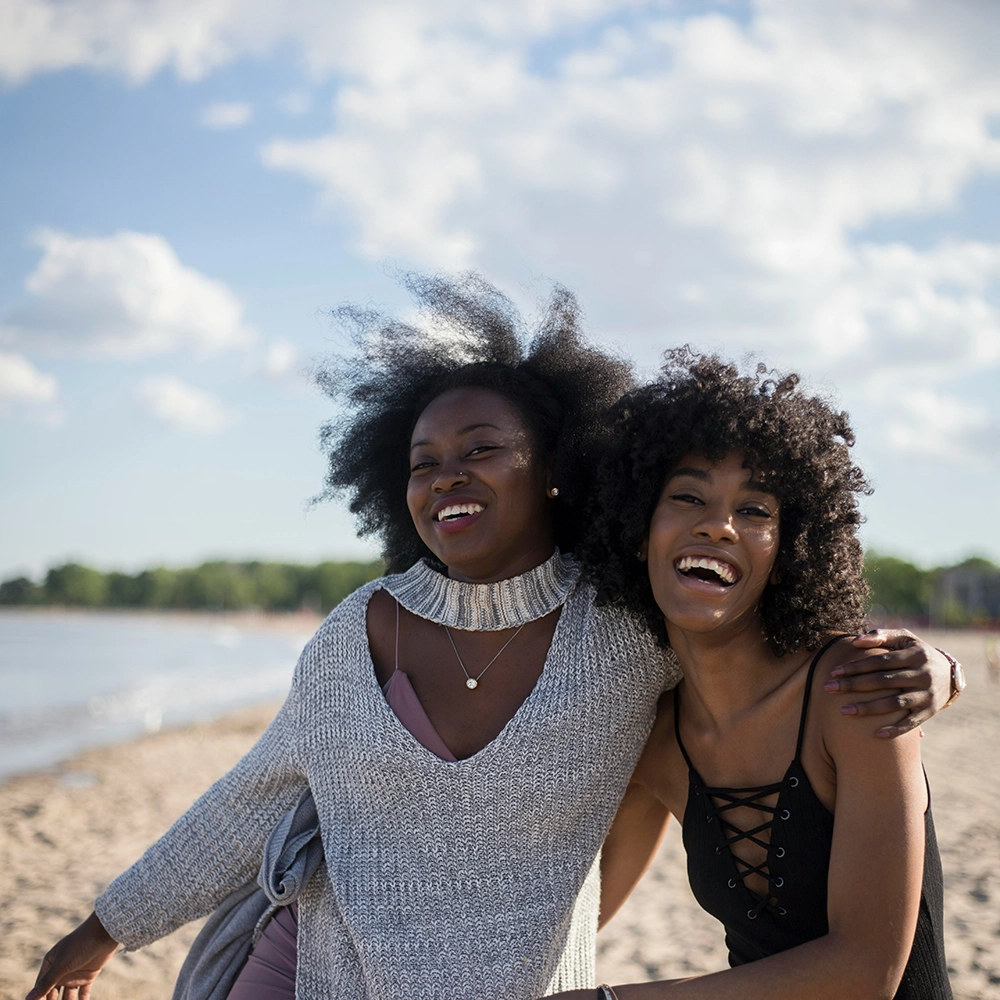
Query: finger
[[892, 638], [44, 982], [911, 722], [893, 659], [880, 681], [906, 701]]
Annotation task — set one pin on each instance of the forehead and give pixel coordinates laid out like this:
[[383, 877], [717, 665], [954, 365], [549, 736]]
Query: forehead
[[729, 470], [458, 409]]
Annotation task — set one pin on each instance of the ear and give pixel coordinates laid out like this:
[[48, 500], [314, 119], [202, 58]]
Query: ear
[[642, 553], [775, 578], [550, 462]]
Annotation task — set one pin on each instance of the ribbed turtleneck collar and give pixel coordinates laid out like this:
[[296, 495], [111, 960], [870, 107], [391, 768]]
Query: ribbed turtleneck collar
[[485, 607]]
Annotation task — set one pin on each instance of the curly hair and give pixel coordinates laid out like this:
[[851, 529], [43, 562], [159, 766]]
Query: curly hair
[[797, 444], [469, 335]]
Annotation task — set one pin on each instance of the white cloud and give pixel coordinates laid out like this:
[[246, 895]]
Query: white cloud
[[705, 177], [184, 407], [942, 427], [295, 103], [699, 179], [22, 382], [226, 115], [124, 296], [137, 39], [32, 392], [279, 361], [280, 358]]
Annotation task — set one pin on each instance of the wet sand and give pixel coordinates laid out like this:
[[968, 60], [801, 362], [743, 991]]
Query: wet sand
[[65, 833]]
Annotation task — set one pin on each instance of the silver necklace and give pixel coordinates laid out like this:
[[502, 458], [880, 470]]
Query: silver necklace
[[473, 682]]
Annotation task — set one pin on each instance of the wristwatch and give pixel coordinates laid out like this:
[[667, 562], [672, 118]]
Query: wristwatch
[[958, 681]]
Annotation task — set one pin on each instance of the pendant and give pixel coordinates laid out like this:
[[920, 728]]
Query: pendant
[[472, 683]]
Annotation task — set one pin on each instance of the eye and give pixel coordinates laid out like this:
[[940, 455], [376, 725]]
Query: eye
[[420, 466], [483, 448], [686, 498], [753, 510]]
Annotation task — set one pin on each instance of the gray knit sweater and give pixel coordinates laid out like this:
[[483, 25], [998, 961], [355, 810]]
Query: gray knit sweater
[[469, 879]]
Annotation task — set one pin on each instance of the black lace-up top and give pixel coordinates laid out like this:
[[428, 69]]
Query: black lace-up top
[[796, 834]]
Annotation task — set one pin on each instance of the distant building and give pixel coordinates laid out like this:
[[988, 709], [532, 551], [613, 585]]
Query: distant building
[[966, 593]]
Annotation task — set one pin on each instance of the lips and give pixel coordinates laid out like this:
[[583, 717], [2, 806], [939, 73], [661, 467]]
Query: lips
[[456, 514], [458, 510], [708, 569]]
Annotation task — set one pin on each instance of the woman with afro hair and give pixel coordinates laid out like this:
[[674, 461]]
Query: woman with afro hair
[[467, 724], [726, 520]]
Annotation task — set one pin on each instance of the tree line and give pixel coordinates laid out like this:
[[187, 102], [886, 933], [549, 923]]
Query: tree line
[[899, 588], [902, 589], [215, 586]]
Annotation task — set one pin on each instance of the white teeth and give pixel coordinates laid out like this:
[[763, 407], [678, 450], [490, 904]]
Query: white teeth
[[458, 509], [722, 569]]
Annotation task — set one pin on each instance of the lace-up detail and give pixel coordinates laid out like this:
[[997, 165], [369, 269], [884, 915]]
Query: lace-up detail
[[735, 798], [720, 801]]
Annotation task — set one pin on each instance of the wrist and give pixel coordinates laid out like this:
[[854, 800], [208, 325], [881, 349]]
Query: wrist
[[98, 931], [957, 678]]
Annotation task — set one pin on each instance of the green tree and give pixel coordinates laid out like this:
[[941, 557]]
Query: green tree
[[897, 585], [216, 585], [73, 584], [333, 581], [156, 588], [275, 586], [20, 590]]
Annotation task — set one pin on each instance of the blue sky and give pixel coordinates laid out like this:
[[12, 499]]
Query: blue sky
[[184, 191]]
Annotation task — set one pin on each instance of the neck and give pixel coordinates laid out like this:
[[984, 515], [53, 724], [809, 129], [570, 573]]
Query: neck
[[728, 670], [493, 570]]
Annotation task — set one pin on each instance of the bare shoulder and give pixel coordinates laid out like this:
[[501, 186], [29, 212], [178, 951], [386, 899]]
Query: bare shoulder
[[843, 731], [380, 620]]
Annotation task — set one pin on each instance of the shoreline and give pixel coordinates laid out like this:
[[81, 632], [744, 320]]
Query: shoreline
[[292, 621], [66, 831]]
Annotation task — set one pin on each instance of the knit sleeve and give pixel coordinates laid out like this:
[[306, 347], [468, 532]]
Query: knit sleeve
[[216, 846]]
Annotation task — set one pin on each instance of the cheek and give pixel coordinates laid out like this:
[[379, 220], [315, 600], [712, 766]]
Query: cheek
[[414, 499]]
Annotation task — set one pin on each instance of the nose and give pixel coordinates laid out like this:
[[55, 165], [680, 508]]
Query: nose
[[450, 476], [716, 525]]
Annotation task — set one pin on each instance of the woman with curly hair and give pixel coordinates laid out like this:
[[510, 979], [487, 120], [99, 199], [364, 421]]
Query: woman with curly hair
[[467, 724], [727, 520]]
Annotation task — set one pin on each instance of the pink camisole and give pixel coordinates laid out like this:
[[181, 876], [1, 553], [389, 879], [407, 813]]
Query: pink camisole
[[269, 973]]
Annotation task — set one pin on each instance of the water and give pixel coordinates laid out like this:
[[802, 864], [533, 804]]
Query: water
[[70, 681]]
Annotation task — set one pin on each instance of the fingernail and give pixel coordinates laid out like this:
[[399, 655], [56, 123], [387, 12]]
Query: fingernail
[[848, 710], [884, 733], [837, 672], [831, 686]]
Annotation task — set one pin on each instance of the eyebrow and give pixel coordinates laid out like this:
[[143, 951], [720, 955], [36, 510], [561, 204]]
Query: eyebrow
[[463, 430], [750, 484], [693, 473]]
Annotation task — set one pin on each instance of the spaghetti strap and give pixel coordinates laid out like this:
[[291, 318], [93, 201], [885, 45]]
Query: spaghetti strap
[[677, 727], [809, 679], [397, 636]]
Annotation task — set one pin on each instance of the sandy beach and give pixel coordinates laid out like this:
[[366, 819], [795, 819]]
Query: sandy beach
[[66, 832]]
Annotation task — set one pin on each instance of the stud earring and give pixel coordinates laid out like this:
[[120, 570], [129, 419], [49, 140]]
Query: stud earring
[[553, 491]]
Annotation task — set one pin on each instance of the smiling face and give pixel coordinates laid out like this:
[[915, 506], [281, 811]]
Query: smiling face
[[712, 545], [476, 490]]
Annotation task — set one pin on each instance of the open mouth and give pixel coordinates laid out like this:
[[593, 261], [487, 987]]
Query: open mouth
[[707, 569], [457, 511]]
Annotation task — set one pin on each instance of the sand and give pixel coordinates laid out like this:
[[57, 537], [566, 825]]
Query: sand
[[66, 832]]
